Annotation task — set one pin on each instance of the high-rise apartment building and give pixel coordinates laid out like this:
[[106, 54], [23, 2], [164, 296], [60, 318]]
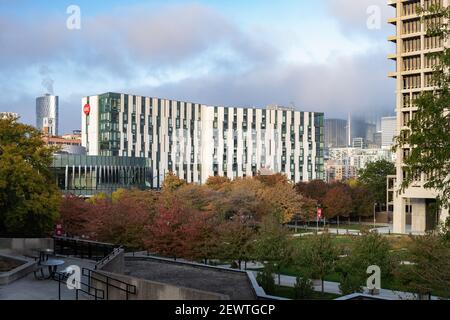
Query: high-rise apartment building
[[335, 133], [413, 75], [47, 114], [196, 141]]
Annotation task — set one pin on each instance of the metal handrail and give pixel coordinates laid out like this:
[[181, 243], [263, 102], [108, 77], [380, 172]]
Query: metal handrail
[[129, 288], [61, 277], [108, 257], [82, 248]]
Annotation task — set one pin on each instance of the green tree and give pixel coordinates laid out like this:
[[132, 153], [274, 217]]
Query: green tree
[[235, 239], [369, 249], [426, 141], [430, 268], [362, 200], [374, 176], [303, 288], [350, 277], [29, 196], [321, 256], [272, 245], [266, 280]]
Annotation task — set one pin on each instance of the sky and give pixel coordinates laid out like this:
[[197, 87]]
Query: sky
[[315, 55]]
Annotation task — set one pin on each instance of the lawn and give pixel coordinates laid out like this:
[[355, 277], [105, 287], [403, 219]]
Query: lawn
[[288, 292]]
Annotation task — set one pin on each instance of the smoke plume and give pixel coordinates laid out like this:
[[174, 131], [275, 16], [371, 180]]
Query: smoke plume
[[47, 81]]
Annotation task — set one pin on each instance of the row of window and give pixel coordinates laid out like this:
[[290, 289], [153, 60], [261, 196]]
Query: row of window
[[410, 8], [414, 63]]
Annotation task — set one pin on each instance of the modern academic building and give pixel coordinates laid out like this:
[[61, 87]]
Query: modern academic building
[[84, 175], [413, 76], [197, 141]]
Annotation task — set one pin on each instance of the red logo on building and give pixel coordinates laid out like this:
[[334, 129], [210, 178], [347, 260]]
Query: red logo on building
[[87, 109]]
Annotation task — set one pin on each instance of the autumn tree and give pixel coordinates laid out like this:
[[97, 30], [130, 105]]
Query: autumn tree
[[197, 197], [121, 222], [236, 239], [272, 180], [75, 215], [283, 201], [202, 235], [242, 198], [99, 197], [337, 201], [172, 182], [29, 196], [217, 182], [145, 199], [315, 189]]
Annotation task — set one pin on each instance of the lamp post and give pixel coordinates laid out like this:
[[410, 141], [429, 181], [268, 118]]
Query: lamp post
[[374, 214], [318, 217]]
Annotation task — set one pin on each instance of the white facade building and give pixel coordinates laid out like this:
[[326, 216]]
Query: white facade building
[[47, 109], [197, 141]]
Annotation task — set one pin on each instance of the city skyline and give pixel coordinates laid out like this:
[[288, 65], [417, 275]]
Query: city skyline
[[217, 53]]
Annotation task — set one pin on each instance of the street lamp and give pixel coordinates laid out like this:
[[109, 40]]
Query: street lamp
[[318, 217], [374, 214]]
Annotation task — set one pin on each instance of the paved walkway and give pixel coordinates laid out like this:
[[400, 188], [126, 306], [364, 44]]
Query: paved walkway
[[333, 287], [28, 288]]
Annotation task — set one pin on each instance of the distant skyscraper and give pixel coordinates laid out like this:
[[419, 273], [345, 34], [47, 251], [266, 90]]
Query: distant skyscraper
[[335, 133], [388, 131], [371, 130], [358, 143], [47, 114], [378, 138]]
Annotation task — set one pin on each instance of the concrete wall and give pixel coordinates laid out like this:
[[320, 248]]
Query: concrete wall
[[114, 267], [149, 290], [17, 273], [24, 246]]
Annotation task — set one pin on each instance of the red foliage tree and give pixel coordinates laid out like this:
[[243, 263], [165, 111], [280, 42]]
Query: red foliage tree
[[316, 189], [201, 237], [121, 222], [167, 234], [338, 201], [74, 215]]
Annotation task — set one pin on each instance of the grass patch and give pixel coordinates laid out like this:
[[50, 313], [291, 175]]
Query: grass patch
[[288, 292]]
